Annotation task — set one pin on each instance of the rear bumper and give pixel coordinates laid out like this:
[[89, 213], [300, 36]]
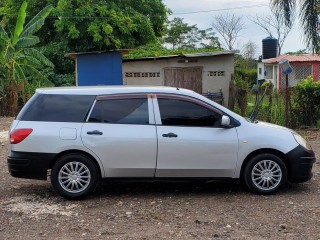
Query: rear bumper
[[301, 161], [29, 165]]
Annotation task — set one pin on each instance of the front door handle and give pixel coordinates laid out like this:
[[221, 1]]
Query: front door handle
[[95, 132], [170, 135]]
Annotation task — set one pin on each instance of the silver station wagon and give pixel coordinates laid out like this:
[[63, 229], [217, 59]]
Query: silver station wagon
[[81, 135]]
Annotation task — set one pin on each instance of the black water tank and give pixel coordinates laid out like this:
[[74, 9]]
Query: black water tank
[[269, 48]]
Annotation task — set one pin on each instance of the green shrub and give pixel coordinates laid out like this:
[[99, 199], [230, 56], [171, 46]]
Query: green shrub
[[249, 75], [306, 103]]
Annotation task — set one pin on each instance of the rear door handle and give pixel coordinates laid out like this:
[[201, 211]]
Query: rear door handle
[[170, 135], [95, 132]]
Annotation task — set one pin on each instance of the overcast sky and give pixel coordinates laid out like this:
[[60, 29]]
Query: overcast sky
[[208, 8]]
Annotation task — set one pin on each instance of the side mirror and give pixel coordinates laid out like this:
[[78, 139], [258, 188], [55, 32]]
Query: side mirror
[[225, 121]]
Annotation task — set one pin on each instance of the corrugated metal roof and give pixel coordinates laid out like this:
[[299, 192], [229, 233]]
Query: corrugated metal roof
[[187, 55], [124, 51], [294, 58], [209, 54], [74, 55]]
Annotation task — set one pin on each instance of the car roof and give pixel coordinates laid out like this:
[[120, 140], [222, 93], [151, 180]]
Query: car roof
[[102, 90]]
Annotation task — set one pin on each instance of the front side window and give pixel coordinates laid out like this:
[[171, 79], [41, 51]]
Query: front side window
[[176, 112], [121, 111]]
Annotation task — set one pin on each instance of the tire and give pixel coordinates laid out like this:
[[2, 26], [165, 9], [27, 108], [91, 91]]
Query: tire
[[74, 176], [265, 174]]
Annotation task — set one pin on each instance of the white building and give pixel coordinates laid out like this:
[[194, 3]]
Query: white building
[[201, 72]]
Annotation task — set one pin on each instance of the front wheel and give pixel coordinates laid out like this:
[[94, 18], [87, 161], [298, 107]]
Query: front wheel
[[265, 174], [74, 176]]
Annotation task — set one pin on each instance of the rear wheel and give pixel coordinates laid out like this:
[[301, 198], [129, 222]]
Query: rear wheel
[[74, 176], [265, 174]]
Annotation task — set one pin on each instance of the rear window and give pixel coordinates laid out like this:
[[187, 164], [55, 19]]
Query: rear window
[[57, 108]]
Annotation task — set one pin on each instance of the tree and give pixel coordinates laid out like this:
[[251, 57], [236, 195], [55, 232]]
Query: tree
[[211, 40], [83, 26], [308, 13], [20, 61], [249, 51], [101, 24], [112, 24], [177, 32], [184, 36], [228, 26], [275, 26]]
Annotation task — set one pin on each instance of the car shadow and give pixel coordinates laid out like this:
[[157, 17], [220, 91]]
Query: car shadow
[[168, 188], [162, 189]]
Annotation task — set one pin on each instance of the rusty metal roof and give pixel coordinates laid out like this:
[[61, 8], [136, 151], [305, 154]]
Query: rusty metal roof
[[294, 58]]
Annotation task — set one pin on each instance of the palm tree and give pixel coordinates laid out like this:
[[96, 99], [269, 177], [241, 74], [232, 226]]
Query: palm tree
[[19, 60], [308, 13]]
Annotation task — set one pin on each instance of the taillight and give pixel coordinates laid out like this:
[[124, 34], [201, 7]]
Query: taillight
[[18, 135]]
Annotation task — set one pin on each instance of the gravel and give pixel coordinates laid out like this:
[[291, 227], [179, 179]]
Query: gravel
[[31, 209]]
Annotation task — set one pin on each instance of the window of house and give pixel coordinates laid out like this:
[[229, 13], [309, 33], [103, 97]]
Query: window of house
[[176, 112], [302, 72], [269, 72], [121, 111]]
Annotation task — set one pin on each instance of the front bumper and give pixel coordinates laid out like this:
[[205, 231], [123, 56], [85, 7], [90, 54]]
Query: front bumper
[[29, 165], [300, 162]]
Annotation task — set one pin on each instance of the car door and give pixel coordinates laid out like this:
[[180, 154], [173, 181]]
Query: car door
[[120, 130], [191, 141]]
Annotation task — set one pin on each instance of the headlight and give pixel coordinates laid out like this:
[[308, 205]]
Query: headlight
[[302, 141]]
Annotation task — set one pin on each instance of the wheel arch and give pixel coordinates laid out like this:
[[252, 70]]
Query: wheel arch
[[76, 151], [275, 152]]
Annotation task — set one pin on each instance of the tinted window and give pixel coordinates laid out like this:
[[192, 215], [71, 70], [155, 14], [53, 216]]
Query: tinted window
[[57, 108], [121, 111], [184, 113]]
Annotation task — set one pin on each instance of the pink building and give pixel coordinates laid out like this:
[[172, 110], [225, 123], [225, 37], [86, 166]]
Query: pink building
[[303, 65]]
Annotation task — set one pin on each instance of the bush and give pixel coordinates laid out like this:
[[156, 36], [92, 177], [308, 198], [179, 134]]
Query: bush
[[306, 103], [249, 75]]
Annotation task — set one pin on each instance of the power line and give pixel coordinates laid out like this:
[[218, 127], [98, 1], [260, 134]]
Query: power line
[[183, 13], [222, 9]]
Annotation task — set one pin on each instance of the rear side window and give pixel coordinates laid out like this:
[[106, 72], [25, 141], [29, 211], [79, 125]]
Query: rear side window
[[121, 111], [57, 108]]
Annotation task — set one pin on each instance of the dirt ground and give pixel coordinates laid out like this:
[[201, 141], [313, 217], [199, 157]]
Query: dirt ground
[[30, 209]]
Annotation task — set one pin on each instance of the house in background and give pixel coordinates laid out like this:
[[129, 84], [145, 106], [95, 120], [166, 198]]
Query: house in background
[[303, 65], [200, 72]]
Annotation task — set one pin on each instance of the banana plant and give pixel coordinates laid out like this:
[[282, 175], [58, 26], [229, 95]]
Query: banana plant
[[20, 60]]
